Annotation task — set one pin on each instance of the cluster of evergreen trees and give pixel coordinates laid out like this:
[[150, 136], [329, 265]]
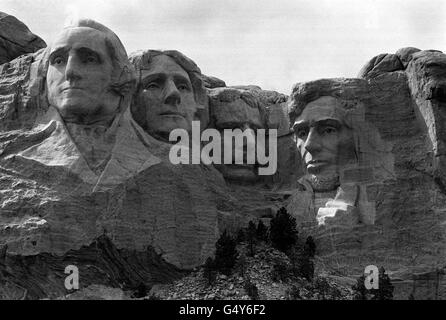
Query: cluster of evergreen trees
[[281, 234], [384, 291]]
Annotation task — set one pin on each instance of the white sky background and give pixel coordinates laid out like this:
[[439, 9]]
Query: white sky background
[[270, 43]]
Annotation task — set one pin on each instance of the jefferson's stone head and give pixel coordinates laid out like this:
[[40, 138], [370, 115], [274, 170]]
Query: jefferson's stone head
[[170, 93], [322, 123], [87, 73]]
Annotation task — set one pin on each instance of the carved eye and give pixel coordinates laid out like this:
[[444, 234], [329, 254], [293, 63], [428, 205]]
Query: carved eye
[[329, 130], [58, 61], [152, 85], [92, 59], [183, 87], [301, 133]]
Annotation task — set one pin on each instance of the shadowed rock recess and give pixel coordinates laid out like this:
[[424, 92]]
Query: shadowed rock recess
[[86, 180]]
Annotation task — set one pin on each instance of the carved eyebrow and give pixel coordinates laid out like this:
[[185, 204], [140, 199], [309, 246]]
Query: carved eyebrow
[[312, 123], [178, 78], [153, 77], [305, 124], [87, 51], [328, 122], [182, 79], [298, 125], [83, 51], [58, 51]]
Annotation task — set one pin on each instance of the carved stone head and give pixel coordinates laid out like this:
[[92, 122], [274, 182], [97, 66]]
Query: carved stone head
[[87, 73], [321, 121], [237, 109], [170, 93]]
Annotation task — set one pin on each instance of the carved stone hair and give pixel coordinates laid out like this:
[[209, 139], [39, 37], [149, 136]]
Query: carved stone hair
[[370, 149], [341, 89], [141, 60], [123, 75]]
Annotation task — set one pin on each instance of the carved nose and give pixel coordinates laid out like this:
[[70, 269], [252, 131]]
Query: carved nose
[[313, 142], [172, 96], [72, 71]]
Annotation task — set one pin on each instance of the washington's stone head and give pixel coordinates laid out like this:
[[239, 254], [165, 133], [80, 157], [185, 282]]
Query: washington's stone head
[[87, 73], [170, 93]]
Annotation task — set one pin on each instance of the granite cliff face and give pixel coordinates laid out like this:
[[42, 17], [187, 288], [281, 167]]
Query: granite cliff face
[[408, 236], [141, 220], [16, 39], [140, 209]]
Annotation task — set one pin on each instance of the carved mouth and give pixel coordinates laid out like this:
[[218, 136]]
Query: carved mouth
[[316, 162], [241, 166], [71, 88], [171, 113]]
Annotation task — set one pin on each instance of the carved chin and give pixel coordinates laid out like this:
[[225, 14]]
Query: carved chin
[[240, 173], [324, 183]]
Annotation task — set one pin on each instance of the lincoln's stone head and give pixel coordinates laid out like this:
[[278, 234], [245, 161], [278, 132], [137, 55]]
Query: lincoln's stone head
[[321, 121], [87, 73], [170, 93]]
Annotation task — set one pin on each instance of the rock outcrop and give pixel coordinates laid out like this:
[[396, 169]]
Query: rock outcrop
[[212, 82], [16, 39], [143, 220], [408, 236]]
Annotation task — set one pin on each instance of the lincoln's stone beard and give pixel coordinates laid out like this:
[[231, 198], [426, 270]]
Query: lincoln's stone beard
[[324, 183]]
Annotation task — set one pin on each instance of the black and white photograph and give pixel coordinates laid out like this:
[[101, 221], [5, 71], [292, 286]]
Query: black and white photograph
[[222, 154]]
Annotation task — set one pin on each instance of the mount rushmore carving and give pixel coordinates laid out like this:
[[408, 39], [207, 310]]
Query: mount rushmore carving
[[84, 162]]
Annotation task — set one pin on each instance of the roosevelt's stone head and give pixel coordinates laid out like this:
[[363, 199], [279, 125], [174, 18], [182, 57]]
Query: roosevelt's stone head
[[170, 93], [321, 118], [237, 109], [87, 73]]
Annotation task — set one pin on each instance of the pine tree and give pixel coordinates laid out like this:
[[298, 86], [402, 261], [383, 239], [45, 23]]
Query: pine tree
[[306, 267], [242, 264], [385, 289], [302, 263], [251, 289], [310, 247], [209, 271], [225, 254], [241, 236], [280, 272], [141, 291], [283, 233], [262, 231], [251, 237], [293, 293], [359, 289]]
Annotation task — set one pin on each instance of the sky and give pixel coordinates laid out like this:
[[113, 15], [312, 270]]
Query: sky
[[270, 43]]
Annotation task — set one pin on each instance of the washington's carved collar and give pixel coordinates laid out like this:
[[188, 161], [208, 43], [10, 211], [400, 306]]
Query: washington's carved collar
[[95, 142], [99, 156]]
